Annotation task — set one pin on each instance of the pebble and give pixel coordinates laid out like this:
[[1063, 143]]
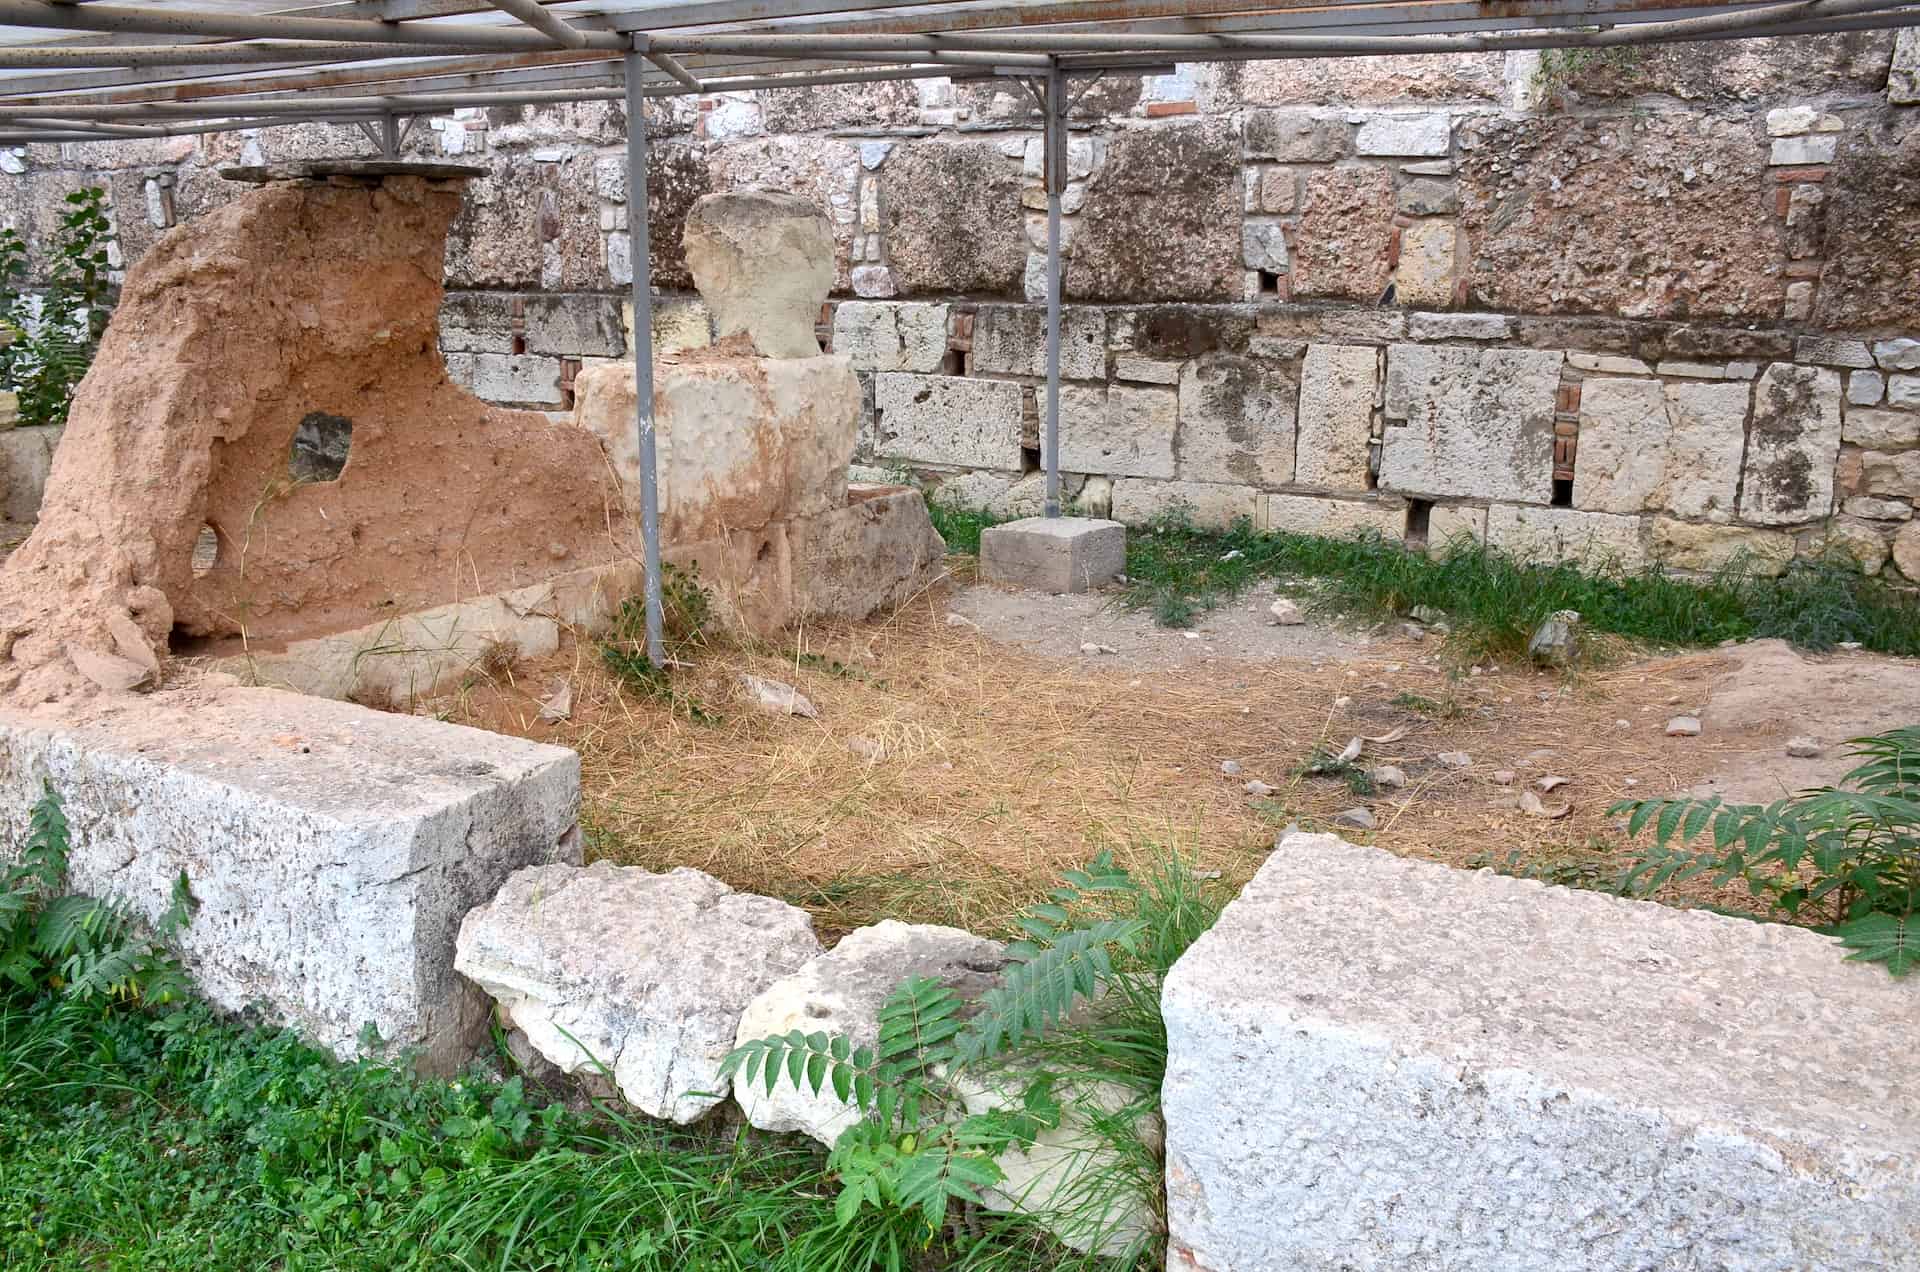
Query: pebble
[[1551, 781], [1455, 759], [1623, 724], [1358, 818], [1342, 702], [1503, 777], [1259, 789], [1388, 775], [1413, 631], [1805, 748], [1230, 767], [1286, 612], [1088, 647], [1683, 727], [1191, 635], [961, 620]]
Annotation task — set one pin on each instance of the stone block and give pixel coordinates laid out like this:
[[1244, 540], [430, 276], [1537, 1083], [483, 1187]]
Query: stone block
[[1832, 351], [643, 975], [1427, 196], [1872, 242], [1336, 518], [1896, 474], [477, 322], [1162, 217], [1803, 151], [1263, 246], [1429, 250], [1878, 509], [1478, 422], [824, 171], [937, 242], [1903, 79], [1898, 355], [26, 459], [575, 326], [875, 554], [1792, 445], [1054, 554], [1904, 391], [1027, 496], [1236, 421], [1338, 385], [1906, 551], [1706, 548], [1459, 326], [1418, 136], [680, 323], [1122, 431], [1505, 1049], [1448, 522], [333, 849], [1590, 539], [883, 337], [1360, 81], [1209, 505], [764, 263], [1866, 388], [514, 378], [1881, 430], [1646, 446], [1012, 340], [1346, 227], [943, 419], [1297, 136]]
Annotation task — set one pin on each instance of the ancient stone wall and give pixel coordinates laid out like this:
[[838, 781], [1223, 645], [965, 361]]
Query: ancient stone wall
[[1652, 302]]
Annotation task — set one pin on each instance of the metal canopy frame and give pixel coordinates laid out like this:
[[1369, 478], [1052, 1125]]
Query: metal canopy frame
[[74, 70]]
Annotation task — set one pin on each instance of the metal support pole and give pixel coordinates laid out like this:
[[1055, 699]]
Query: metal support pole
[[1053, 143], [643, 348]]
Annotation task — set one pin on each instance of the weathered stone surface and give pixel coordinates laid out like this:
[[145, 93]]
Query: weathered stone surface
[[1895, 474], [940, 419], [1336, 518], [883, 337], [1653, 215], [824, 171], [1429, 254], [1872, 272], [1162, 217], [1593, 539], [1646, 446], [1878, 509], [1906, 551], [1881, 430], [1477, 422], [26, 458], [1122, 431], [645, 974], [1704, 549], [1427, 196], [1054, 554], [883, 105], [1366, 81], [1903, 78], [1346, 224], [1505, 1049], [507, 378], [1792, 445], [714, 474], [940, 242], [1012, 340], [1236, 421], [1211, 505], [841, 992], [764, 264], [1404, 135], [1740, 70], [1337, 388], [1448, 522], [1865, 546], [332, 849], [874, 554], [1178, 332], [1298, 136], [1902, 354]]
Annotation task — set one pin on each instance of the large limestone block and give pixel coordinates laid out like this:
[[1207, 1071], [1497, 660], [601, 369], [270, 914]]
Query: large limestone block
[[1210, 505], [1645, 446], [333, 849], [1123, 431], [947, 419], [875, 336], [1345, 232], [1336, 518], [741, 442], [1338, 384], [645, 974], [841, 992], [1792, 445], [876, 553], [1477, 422], [1429, 255], [1236, 421], [1705, 549], [1162, 217], [26, 459], [1012, 340], [953, 221], [1497, 1088], [764, 264], [1590, 539]]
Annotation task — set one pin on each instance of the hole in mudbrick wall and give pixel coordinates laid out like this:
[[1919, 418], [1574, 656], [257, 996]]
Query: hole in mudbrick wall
[[1563, 492], [1419, 520], [519, 344], [953, 362], [1029, 459], [206, 552], [1269, 283], [320, 446]]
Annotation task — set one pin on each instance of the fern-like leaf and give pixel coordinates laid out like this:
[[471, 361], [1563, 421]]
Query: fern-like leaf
[[1041, 991], [1883, 938]]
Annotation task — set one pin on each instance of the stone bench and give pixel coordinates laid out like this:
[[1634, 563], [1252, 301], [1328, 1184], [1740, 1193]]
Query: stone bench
[[1389, 1064], [333, 850]]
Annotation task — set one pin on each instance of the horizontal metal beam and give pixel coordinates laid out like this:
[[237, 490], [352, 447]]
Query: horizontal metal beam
[[551, 25], [239, 56], [243, 26]]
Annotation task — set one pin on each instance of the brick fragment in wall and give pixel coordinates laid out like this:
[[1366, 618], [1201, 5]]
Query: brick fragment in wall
[[1162, 217], [1341, 249], [1120, 431], [1477, 422], [1236, 421], [1338, 385], [1012, 340], [1566, 534], [1650, 215], [1138, 501], [1871, 275], [1647, 446], [1792, 444], [937, 242], [958, 420]]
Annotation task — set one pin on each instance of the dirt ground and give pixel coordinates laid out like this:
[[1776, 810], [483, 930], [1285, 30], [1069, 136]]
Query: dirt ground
[[966, 750]]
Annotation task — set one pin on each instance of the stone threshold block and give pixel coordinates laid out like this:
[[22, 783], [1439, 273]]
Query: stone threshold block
[[1383, 1063], [1054, 554], [333, 850]]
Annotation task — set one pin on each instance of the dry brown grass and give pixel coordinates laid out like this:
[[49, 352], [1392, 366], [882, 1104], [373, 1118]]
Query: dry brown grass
[[950, 778]]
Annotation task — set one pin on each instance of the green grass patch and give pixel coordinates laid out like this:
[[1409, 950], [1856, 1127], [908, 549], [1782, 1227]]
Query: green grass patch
[[1494, 602], [961, 527]]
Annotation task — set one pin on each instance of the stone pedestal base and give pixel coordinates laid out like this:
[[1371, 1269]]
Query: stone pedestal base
[[1054, 554]]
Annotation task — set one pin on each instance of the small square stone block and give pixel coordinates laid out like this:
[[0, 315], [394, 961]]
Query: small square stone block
[[1054, 554]]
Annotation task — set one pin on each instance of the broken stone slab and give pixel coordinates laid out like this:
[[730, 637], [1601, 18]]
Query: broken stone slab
[[1507, 1049], [26, 461], [764, 263], [643, 975], [1054, 554], [332, 849], [875, 554], [841, 992]]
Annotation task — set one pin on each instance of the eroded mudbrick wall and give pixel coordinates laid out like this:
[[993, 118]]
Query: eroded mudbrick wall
[[1659, 303]]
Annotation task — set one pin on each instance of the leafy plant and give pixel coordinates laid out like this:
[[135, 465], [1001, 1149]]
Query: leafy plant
[[82, 947], [55, 329], [1850, 857], [1321, 762], [686, 614]]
